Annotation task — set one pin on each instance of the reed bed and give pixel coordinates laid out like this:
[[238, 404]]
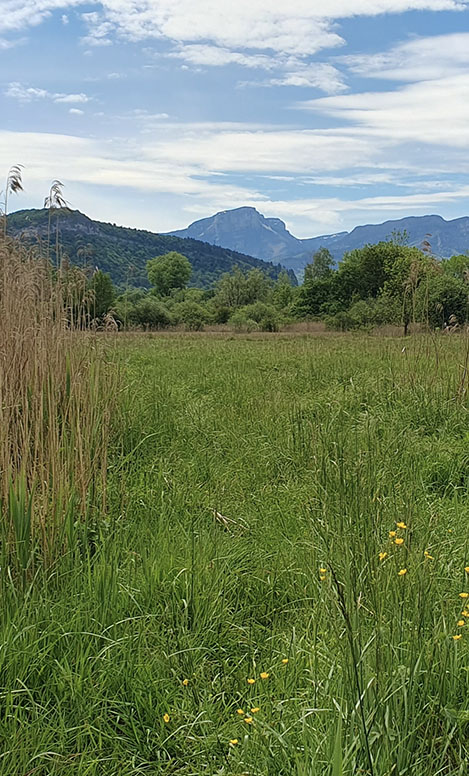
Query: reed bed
[[55, 404]]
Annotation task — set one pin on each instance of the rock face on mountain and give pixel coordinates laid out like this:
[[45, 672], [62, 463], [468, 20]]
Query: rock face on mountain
[[245, 229], [124, 252]]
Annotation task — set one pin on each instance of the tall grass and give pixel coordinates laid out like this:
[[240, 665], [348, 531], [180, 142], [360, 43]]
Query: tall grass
[[248, 566], [55, 402]]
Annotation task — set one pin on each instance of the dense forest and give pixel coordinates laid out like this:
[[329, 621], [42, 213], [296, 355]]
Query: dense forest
[[123, 252]]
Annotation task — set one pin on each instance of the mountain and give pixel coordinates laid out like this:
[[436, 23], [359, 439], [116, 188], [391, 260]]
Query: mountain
[[248, 230], [446, 238], [123, 252], [268, 238]]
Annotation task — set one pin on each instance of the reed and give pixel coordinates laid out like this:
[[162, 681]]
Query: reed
[[55, 402]]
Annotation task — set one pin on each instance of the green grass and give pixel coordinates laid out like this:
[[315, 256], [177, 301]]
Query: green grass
[[313, 448]]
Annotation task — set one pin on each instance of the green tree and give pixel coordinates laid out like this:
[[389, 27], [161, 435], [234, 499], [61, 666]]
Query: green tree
[[103, 294], [442, 299], [151, 313], [172, 270], [283, 292], [321, 265]]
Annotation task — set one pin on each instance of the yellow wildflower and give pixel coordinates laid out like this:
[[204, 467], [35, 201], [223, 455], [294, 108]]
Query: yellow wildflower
[[466, 569], [323, 571], [322, 577], [398, 541], [402, 572], [185, 682], [264, 675], [285, 661], [401, 525], [392, 534], [248, 720], [255, 710], [166, 718], [240, 712], [251, 681], [427, 555], [233, 741], [464, 595], [464, 613], [460, 623], [383, 555], [456, 638]]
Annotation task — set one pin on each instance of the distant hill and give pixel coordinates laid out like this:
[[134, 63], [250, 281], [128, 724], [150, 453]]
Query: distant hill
[[246, 229], [123, 252]]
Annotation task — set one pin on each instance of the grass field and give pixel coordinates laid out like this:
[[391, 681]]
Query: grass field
[[241, 607]]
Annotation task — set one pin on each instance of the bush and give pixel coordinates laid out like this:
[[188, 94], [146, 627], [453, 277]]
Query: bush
[[263, 314], [242, 323], [151, 314], [191, 314]]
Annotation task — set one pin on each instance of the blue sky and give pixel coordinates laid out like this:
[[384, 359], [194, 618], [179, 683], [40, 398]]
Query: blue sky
[[157, 112]]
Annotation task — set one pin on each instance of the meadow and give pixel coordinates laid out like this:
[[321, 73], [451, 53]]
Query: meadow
[[262, 568]]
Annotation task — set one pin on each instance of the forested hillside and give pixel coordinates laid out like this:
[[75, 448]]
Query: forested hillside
[[124, 252]]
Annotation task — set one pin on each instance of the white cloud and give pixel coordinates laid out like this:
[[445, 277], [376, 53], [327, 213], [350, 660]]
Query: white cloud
[[421, 59], [18, 91], [299, 28], [76, 112], [430, 112]]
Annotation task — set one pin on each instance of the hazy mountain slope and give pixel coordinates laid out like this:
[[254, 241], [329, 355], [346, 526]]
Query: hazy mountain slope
[[246, 229], [123, 252]]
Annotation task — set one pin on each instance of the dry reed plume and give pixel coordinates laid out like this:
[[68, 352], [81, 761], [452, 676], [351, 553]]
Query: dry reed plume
[[55, 397]]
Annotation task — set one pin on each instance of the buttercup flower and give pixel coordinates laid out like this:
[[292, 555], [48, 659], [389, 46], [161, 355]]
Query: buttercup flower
[[233, 741], [264, 675], [240, 712], [255, 710], [383, 555], [166, 718], [392, 534], [285, 661], [402, 572], [464, 595], [427, 555], [185, 682], [248, 720], [460, 623], [466, 569], [456, 638], [323, 571], [401, 525], [398, 541], [251, 681]]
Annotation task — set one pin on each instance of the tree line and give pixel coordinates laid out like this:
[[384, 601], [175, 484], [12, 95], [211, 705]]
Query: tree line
[[387, 283]]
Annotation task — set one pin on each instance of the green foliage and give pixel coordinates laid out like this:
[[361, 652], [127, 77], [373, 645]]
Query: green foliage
[[168, 272], [321, 265], [151, 313], [192, 314], [238, 288], [265, 315], [103, 293], [123, 253], [443, 299]]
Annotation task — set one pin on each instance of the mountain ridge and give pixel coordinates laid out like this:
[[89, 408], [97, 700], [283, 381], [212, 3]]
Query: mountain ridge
[[269, 238], [123, 251]]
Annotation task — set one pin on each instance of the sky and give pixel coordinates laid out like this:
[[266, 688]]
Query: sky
[[154, 113]]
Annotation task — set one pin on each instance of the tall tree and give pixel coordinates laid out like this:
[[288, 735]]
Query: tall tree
[[172, 270]]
